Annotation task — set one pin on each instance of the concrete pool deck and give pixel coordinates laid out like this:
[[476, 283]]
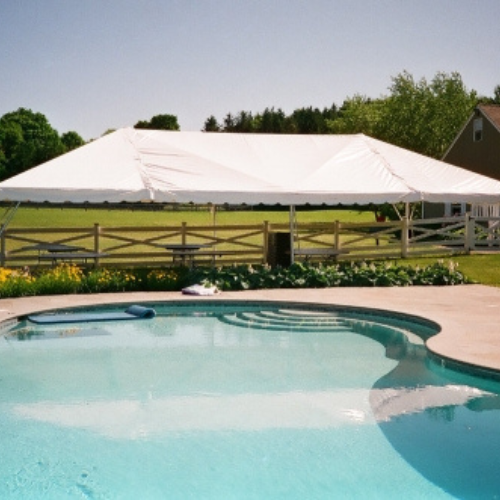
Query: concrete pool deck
[[467, 314]]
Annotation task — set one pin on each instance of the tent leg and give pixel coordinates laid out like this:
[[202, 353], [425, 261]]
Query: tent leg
[[213, 210], [213, 214], [292, 233]]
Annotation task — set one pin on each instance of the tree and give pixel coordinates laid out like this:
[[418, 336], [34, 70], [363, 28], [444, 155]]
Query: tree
[[357, 115], [275, 121], [311, 120], [26, 140], [271, 121], [229, 123], [244, 122], [425, 116], [491, 100], [211, 125], [496, 93], [159, 122], [71, 140]]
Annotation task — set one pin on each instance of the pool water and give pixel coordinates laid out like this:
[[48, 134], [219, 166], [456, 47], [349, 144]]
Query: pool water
[[242, 402]]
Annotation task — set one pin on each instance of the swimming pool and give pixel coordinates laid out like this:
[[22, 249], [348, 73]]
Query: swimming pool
[[234, 400]]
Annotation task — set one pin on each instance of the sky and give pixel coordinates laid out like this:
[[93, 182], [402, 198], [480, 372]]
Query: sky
[[94, 65]]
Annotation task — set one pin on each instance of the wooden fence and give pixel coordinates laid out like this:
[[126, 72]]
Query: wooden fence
[[251, 244]]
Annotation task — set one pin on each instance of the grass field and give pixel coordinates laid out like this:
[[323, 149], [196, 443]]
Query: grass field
[[483, 269], [71, 217]]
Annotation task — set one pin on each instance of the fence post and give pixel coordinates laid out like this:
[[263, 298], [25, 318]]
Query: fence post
[[470, 233], [404, 237], [97, 231], [265, 243], [337, 235], [183, 233]]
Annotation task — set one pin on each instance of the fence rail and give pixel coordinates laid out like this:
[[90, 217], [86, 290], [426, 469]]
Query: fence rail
[[254, 243]]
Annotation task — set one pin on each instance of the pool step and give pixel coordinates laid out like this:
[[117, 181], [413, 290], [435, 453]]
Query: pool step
[[274, 320], [292, 320], [300, 313], [284, 315]]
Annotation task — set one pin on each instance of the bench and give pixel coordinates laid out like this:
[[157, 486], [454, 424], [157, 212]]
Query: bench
[[327, 253], [191, 257], [71, 256]]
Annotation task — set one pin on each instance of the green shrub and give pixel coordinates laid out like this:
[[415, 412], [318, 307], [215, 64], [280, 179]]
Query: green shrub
[[68, 279], [304, 275]]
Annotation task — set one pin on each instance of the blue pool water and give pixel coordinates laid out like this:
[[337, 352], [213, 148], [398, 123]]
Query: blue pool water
[[237, 401]]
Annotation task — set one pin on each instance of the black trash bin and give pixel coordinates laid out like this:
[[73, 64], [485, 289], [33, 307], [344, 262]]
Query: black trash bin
[[278, 249]]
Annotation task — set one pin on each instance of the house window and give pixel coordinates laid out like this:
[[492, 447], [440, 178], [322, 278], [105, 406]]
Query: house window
[[478, 129], [454, 209]]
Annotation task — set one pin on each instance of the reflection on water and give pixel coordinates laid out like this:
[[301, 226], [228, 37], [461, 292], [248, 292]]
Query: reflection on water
[[133, 419], [394, 402], [446, 424]]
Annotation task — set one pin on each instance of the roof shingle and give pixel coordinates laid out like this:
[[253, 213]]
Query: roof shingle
[[492, 112]]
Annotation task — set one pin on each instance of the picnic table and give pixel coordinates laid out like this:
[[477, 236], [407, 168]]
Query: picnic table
[[185, 252], [59, 252], [54, 247]]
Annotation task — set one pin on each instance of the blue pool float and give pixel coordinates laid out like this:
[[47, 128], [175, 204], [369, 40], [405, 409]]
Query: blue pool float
[[132, 312]]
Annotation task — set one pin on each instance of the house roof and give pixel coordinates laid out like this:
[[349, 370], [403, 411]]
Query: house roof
[[492, 112]]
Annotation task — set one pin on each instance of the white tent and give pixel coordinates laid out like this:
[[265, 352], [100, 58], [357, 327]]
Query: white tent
[[144, 165]]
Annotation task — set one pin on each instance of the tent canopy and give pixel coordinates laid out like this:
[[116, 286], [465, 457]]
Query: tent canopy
[[132, 165]]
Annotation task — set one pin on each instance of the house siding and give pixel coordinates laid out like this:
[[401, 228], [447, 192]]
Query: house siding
[[482, 157], [479, 156]]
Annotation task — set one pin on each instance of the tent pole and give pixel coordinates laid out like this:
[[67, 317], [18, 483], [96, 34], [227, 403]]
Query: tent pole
[[398, 213], [213, 210], [213, 213], [8, 216], [292, 233]]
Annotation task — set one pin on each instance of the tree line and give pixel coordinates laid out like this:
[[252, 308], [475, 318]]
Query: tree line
[[419, 115], [422, 116]]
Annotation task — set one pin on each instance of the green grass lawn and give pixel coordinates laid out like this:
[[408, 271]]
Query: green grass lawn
[[484, 269], [79, 217]]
